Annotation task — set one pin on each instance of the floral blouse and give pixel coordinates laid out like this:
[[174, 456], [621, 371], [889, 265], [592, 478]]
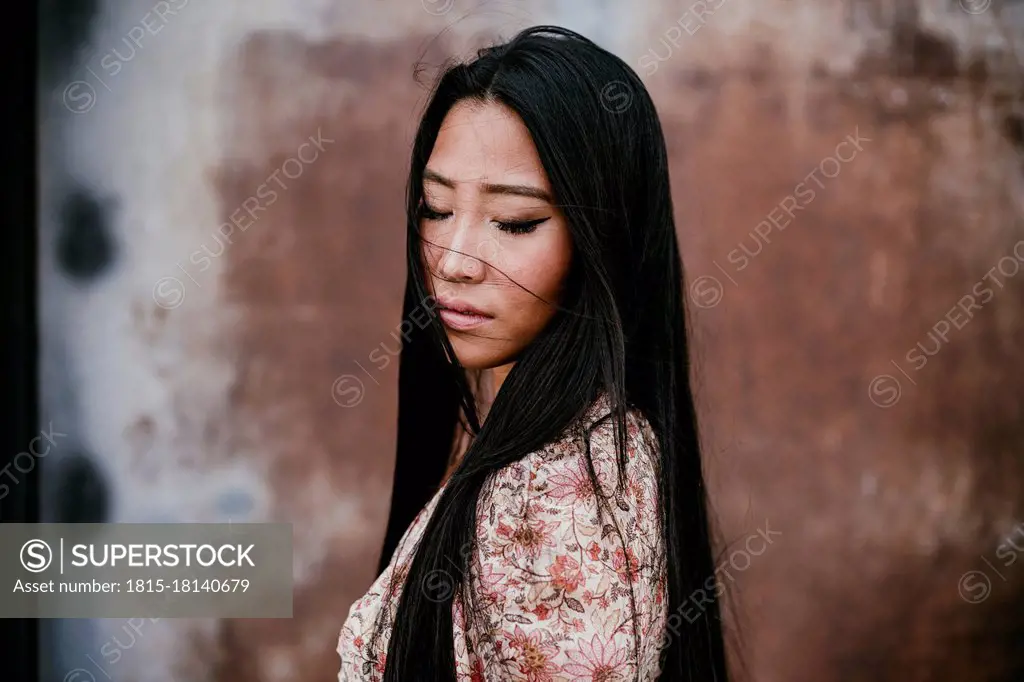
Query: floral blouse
[[550, 574]]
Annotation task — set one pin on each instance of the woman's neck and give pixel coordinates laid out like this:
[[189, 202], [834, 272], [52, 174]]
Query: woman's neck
[[498, 376], [490, 381]]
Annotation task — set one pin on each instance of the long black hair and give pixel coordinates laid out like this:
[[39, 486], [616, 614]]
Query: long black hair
[[620, 329]]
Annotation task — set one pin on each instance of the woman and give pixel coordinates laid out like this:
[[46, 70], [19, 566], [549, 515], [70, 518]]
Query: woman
[[544, 274]]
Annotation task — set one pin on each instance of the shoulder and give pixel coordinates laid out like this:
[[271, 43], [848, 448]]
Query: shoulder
[[564, 571], [559, 477], [593, 440], [544, 514], [598, 427]]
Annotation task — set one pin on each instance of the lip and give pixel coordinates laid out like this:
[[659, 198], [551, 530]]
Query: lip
[[459, 315]]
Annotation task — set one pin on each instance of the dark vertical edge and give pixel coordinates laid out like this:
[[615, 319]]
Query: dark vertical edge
[[20, 413]]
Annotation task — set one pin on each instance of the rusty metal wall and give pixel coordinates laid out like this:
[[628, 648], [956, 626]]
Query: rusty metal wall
[[222, 248]]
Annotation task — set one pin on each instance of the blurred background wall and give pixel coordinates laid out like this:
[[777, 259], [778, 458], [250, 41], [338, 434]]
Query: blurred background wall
[[222, 250]]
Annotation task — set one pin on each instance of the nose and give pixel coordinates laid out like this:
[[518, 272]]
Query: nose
[[460, 258]]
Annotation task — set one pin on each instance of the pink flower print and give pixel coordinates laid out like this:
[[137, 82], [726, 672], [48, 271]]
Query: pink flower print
[[572, 483], [490, 579], [477, 673], [542, 611], [534, 656], [596, 661], [636, 489], [380, 663], [527, 538], [566, 573], [626, 564]]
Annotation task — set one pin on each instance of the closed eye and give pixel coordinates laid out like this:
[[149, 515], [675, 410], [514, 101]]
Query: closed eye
[[510, 226], [519, 227], [428, 213]]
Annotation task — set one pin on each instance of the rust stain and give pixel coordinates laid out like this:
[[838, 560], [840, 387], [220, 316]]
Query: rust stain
[[881, 510], [318, 281]]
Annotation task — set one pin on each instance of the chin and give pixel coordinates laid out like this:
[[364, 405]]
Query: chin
[[476, 357]]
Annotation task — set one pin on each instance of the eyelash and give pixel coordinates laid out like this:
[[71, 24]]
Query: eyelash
[[512, 227]]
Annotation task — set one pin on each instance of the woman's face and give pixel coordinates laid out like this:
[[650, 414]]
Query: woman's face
[[496, 248]]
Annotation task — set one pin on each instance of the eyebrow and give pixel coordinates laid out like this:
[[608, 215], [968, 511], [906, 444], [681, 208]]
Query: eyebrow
[[489, 188]]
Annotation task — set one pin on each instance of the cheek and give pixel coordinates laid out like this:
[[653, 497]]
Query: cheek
[[552, 263], [547, 279], [540, 270]]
